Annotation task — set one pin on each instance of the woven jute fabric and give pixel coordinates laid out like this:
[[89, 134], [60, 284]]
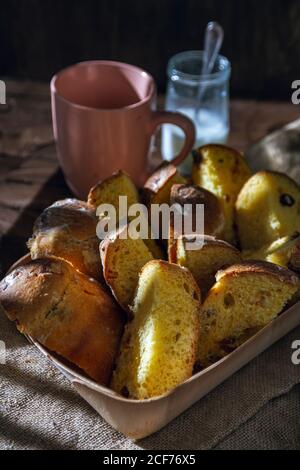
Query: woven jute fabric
[[258, 407]]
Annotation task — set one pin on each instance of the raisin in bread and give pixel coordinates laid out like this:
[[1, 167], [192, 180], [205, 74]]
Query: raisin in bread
[[267, 208]]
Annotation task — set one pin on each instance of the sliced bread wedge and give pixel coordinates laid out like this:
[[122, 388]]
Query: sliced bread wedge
[[188, 195], [284, 251], [109, 190], [67, 312], [67, 230], [245, 298], [267, 208], [205, 262], [223, 171], [159, 345], [157, 188], [122, 259]]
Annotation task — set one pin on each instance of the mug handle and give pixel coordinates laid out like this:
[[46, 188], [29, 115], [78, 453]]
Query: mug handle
[[180, 120]]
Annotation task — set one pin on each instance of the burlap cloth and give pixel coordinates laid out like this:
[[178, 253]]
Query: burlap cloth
[[258, 407]]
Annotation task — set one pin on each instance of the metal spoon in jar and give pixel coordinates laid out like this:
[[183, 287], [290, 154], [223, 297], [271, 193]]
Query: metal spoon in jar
[[213, 40]]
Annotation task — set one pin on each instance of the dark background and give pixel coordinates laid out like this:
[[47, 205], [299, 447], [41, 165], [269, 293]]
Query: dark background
[[262, 37]]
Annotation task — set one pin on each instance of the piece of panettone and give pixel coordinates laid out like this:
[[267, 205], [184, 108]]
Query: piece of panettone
[[222, 171], [67, 230], [157, 188], [188, 194], [122, 260], [245, 298], [67, 312], [284, 252], [267, 208], [109, 190], [206, 261], [158, 348]]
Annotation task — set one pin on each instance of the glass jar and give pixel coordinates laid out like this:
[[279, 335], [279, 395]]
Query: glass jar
[[203, 98]]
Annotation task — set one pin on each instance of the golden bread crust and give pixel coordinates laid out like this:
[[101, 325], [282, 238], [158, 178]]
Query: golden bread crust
[[172, 267], [160, 176], [260, 267], [97, 194], [78, 216], [67, 312], [212, 241], [67, 229], [207, 260], [197, 154], [213, 213], [157, 188]]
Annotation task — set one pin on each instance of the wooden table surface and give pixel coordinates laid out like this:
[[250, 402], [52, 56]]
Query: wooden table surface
[[30, 178]]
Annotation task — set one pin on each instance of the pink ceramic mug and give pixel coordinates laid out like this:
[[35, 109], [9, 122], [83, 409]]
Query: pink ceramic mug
[[103, 120]]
